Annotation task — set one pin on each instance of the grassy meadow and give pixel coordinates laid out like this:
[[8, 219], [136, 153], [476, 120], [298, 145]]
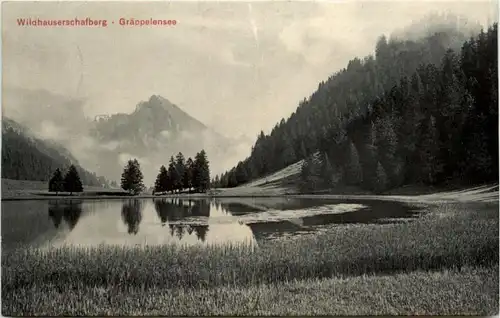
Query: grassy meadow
[[445, 262]]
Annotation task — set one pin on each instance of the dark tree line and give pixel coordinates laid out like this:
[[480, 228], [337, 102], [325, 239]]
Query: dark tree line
[[181, 174], [417, 112], [71, 181]]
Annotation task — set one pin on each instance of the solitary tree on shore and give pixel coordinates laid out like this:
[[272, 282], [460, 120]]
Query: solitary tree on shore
[[132, 178]]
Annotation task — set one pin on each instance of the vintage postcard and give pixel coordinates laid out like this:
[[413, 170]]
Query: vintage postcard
[[257, 158]]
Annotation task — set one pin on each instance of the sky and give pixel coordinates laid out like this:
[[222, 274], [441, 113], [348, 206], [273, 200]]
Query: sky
[[239, 67]]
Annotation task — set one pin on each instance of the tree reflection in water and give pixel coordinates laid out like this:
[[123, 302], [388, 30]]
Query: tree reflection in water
[[56, 212], [175, 210], [132, 215], [70, 211], [201, 231]]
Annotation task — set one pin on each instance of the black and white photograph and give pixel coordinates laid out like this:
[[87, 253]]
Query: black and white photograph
[[249, 158]]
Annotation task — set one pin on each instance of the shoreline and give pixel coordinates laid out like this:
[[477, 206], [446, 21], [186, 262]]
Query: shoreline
[[488, 191], [300, 196], [207, 196], [493, 197]]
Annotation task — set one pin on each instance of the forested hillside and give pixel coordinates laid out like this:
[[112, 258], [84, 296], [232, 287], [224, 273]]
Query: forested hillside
[[417, 112], [25, 157]]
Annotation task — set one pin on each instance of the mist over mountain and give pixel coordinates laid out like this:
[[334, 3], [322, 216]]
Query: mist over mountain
[[452, 24], [26, 157], [154, 131], [40, 109]]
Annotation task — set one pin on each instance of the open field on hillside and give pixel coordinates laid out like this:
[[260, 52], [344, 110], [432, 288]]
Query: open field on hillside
[[445, 262]]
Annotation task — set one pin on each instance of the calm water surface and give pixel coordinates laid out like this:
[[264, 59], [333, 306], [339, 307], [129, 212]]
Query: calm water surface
[[131, 222]]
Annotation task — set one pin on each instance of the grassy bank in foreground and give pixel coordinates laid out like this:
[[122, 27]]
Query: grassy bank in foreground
[[449, 237], [470, 291]]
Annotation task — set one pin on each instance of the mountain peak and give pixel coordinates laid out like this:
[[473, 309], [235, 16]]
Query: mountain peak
[[155, 103], [160, 110], [158, 99]]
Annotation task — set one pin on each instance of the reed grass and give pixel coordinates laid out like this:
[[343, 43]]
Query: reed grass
[[470, 291]]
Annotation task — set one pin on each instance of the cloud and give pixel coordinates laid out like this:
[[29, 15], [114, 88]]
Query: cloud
[[165, 133], [255, 30], [124, 157], [112, 145], [48, 130]]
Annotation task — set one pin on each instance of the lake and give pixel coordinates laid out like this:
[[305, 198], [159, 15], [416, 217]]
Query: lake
[[131, 222]]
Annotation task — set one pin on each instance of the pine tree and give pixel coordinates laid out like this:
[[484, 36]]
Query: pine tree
[[352, 168], [363, 135], [428, 148], [232, 181], [407, 130], [201, 175], [305, 172], [180, 167], [311, 179], [381, 179], [303, 150], [386, 143], [173, 175], [56, 183], [72, 182], [241, 174], [132, 178], [224, 180], [188, 174], [288, 154], [216, 183], [161, 183], [328, 174]]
